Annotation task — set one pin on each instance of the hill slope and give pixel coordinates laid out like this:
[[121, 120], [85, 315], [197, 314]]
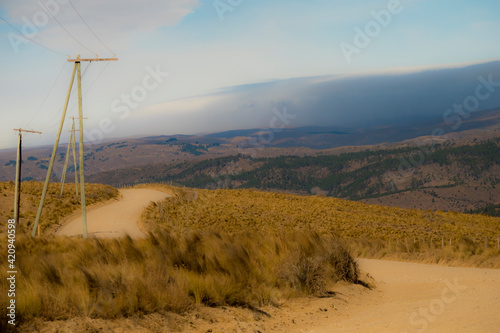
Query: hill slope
[[56, 206], [250, 210], [270, 142], [370, 230], [439, 176]]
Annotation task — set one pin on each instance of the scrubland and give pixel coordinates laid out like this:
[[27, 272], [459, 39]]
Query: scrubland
[[371, 231], [61, 278], [229, 248]]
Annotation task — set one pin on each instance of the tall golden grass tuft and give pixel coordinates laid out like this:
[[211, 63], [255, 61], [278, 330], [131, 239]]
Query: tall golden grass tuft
[[462, 252], [103, 278]]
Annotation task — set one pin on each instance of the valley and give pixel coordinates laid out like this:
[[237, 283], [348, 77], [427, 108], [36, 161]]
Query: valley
[[455, 171]]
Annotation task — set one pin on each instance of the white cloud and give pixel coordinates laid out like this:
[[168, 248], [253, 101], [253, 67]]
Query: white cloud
[[115, 22]]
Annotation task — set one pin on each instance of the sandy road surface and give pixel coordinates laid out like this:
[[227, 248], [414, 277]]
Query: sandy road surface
[[414, 297], [115, 219], [408, 298]]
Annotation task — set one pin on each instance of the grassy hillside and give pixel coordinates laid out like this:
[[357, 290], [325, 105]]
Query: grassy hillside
[[62, 278], [371, 229], [232, 247], [56, 206], [107, 156]]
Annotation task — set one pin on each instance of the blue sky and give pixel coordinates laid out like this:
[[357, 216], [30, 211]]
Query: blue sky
[[257, 41]]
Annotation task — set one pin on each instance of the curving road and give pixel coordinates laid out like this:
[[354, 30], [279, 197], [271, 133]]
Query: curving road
[[115, 219], [409, 297], [413, 297]]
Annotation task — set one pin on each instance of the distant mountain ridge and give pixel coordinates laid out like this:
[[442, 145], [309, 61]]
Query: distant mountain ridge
[[306, 140], [325, 137]]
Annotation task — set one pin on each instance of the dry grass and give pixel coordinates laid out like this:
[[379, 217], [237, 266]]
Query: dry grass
[[230, 247], [56, 207], [167, 272], [462, 252], [373, 231]]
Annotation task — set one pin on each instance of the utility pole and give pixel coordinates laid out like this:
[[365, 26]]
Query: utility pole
[[80, 146], [76, 70], [74, 156], [17, 191], [73, 144], [63, 177], [70, 143]]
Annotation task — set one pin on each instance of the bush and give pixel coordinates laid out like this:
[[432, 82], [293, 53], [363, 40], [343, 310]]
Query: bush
[[103, 278]]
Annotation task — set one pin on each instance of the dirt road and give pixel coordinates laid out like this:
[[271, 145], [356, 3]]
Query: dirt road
[[414, 297], [115, 219], [408, 297]]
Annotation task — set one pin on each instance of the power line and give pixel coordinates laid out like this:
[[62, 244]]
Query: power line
[[32, 40], [98, 76], [93, 82], [50, 125], [66, 29], [47, 96], [92, 31], [85, 71]]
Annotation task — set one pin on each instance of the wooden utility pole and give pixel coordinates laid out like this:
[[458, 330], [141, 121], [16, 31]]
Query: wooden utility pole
[[78, 59], [73, 144], [52, 157], [76, 70], [70, 143], [63, 177], [17, 191], [80, 146]]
